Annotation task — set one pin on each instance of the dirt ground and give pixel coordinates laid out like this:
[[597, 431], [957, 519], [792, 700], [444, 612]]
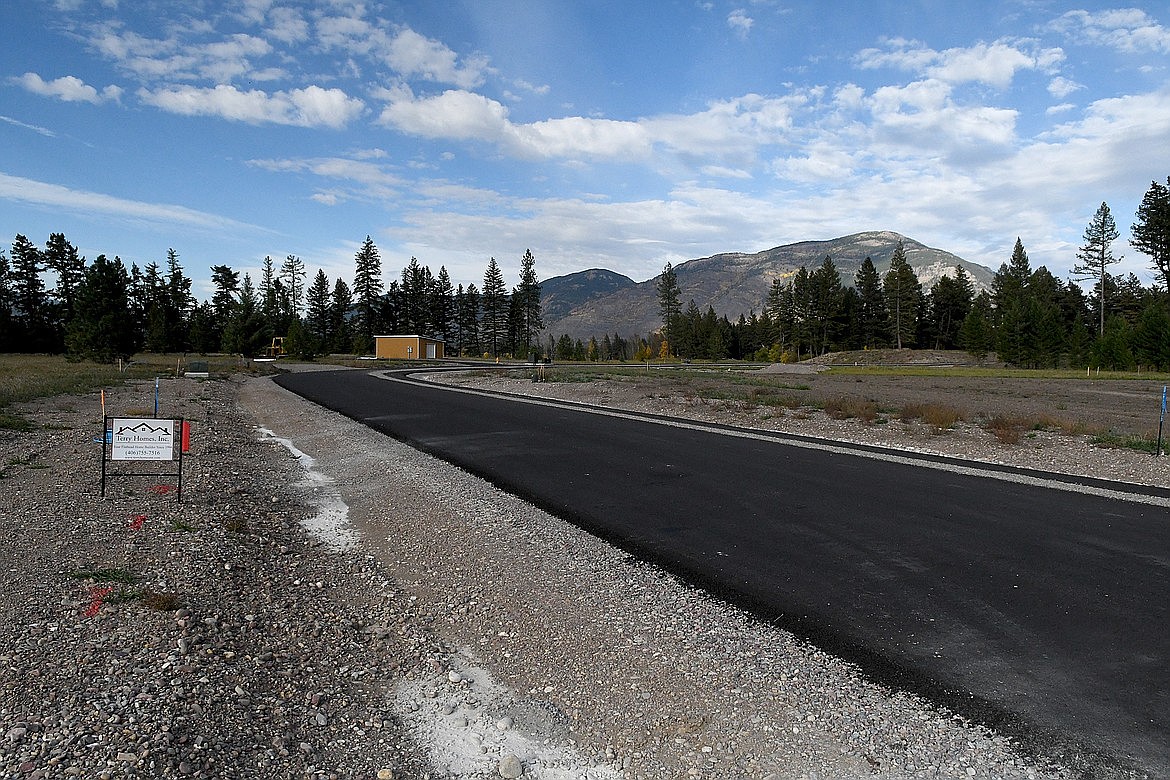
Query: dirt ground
[[1085, 405], [1122, 407]]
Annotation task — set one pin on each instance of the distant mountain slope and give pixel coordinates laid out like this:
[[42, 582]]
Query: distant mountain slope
[[561, 294], [737, 283]]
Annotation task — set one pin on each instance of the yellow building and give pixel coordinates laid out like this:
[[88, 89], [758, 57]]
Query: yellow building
[[407, 347]]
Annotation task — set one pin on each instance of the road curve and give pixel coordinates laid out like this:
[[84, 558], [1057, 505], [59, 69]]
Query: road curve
[[1037, 607]]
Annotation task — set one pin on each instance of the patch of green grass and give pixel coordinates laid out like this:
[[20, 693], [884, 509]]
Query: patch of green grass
[[28, 377], [14, 422], [123, 596], [1116, 441], [182, 525]]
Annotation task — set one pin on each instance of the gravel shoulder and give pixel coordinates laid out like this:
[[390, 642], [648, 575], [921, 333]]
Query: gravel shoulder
[[344, 606]]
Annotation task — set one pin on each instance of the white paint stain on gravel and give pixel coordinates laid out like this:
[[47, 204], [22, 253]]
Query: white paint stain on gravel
[[475, 727], [330, 524]]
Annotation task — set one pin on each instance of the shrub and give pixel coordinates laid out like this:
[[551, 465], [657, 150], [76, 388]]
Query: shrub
[[851, 408], [939, 417], [1007, 430], [163, 602]]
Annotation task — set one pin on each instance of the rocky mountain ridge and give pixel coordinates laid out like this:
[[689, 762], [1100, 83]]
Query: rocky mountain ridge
[[732, 283]]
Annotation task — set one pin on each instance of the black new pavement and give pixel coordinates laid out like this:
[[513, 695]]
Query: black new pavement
[[1026, 605]]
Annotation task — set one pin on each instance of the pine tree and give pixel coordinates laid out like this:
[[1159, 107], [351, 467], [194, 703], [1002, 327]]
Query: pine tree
[[871, 316], [467, 322], [442, 306], [203, 335], [62, 259], [976, 335], [903, 296], [827, 297], [176, 303], [528, 304], [1111, 350], [101, 328], [392, 310], [223, 301], [950, 301], [413, 296], [319, 312], [1045, 321], [7, 337], [1094, 257], [30, 301], [1151, 337], [339, 326], [1010, 297], [781, 310], [1150, 235], [494, 306], [367, 287], [293, 274], [669, 303], [515, 334], [269, 291], [248, 333]]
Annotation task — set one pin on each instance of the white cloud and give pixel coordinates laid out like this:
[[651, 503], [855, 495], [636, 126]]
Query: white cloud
[[455, 115], [466, 116], [574, 137], [900, 53], [309, 107], [287, 26], [223, 61], [721, 172], [821, 163], [413, 55], [35, 128], [993, 64], [729, 131], [375, 179], [740, 22], [1060, 87], [16, 188], [1129, 30], [67, 88]]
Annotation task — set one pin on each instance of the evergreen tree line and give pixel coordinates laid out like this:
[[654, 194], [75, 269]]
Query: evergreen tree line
[[104, 310]]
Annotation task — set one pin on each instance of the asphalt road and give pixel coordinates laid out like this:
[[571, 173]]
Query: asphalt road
[[1033, 608]]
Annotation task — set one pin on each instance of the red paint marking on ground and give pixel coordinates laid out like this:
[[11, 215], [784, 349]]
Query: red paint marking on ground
[[97, 596], [162, 489], [136, 522]]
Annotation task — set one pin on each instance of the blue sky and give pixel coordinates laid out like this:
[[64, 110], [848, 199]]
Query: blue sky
[[599, 134]]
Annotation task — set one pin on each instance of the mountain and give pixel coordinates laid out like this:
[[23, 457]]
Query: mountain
[[736, 283], [561, 294]]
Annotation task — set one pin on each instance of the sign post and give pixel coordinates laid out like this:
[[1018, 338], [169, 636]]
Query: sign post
[[144, 439], [1161, 419]]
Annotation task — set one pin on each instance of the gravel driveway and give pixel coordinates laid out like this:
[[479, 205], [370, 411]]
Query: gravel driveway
[[326, 602]]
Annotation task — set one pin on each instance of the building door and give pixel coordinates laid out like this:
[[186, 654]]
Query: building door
[[430, 351]]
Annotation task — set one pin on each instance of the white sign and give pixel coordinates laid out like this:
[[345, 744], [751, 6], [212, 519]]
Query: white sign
[[142, 439]]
